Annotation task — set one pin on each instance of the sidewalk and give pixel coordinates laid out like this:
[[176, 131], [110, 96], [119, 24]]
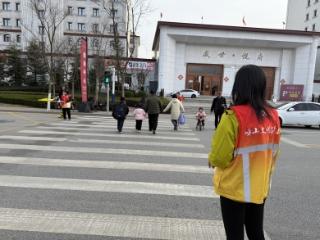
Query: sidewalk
[[25, 109]]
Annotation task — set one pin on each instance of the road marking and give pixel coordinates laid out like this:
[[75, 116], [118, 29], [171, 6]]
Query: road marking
[[119, 151], [110, 225], [105, 164], [16, 115], [111, 129], [136, 136], [107, 186], [294, 143], [102, 141], [313, 145], [113, 126]]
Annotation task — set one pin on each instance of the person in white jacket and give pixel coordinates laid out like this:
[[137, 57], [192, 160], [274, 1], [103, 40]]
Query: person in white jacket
[[175, 107]]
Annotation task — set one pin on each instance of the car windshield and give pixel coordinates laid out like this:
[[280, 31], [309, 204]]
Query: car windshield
[[279, 105]]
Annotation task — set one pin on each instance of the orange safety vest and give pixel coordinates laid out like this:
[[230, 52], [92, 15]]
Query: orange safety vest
[[247, 178]]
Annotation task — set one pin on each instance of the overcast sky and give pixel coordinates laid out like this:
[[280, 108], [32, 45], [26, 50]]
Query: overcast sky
[[257, 13]]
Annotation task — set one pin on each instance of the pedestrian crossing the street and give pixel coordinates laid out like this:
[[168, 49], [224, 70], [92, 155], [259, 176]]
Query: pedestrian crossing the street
[[82, 178]]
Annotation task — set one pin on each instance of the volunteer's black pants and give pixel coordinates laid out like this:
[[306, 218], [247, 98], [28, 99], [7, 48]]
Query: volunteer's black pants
[[66, 111], [153, 121], [237, 215], [217, 118]]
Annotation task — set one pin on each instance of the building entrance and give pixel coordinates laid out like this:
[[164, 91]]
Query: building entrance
[[205, 78], [270, 76]]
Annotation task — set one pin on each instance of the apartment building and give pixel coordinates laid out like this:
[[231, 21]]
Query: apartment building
[[80, 18], [305, 15]]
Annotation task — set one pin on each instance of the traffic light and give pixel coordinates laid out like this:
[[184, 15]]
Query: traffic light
[[107, 77]]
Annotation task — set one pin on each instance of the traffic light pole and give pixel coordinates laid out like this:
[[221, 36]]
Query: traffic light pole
[[108, 93], [113, 84]]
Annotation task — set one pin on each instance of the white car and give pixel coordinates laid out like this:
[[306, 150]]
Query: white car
[[299, 113], [189, 93]]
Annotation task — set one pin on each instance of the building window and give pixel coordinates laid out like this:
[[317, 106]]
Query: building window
[[70, 10], [6, 6], [6, 22], [95, 12], [41, 30], [18, 39], [313, 27], [306, 29], [95, 27], [308, 3], [114, 12], [81, 27], [81, 11], [315, 13], [95, 43], [18, 23], [70, 40], [6, 38], [307, 17], [41, 13], [69, 25], [112, 44], [18, 7], [316, 1], [113, 28]]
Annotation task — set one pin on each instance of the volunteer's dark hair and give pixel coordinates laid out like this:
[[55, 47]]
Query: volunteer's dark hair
[[249, 88], [174, 96]]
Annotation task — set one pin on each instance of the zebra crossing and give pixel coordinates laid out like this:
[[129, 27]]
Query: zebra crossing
[[82, 178]]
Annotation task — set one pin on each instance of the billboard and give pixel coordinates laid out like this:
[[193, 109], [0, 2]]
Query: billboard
[[291, 92], [84, 69]]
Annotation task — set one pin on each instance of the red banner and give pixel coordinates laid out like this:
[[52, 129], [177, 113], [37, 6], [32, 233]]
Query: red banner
[[291, 92], [84, 69]]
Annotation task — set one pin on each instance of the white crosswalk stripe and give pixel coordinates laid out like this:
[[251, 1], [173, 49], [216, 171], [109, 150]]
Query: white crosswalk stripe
[[82, 135]]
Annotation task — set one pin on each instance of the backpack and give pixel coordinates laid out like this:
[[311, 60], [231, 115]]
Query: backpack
[[119, 112]]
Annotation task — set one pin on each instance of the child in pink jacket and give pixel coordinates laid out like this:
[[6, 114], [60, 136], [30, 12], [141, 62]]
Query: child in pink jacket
[[139, 115]]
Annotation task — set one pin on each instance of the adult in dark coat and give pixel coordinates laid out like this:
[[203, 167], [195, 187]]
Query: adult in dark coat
[[120, 112], [153, 108], [218, 106]]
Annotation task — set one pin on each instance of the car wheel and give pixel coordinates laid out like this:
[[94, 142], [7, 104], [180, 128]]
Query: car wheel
[[193, 96], [307, 126], [280, 120]]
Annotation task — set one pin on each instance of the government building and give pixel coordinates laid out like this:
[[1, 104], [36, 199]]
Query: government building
[[207, 57]]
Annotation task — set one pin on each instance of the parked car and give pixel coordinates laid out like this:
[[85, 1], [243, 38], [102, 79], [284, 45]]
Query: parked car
[[189, 93], [299, 113]]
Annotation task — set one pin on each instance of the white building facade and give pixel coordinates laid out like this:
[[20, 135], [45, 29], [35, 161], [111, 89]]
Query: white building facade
[[207, 57], [304, 15], [84, 18]]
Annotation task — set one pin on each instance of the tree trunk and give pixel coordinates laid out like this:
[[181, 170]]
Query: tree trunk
[[97, 88]]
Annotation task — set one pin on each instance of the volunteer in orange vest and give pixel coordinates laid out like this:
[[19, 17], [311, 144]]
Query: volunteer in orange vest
[[66, 105], [244, 150]]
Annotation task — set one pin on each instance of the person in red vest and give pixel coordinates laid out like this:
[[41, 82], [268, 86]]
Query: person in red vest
[[66, 105], [245, 147]]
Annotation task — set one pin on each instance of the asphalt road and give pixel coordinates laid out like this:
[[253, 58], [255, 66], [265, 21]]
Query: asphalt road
[[80, 179]]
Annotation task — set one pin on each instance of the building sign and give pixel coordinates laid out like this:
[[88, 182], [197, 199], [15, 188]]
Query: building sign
[[136, 65], [180, 77], [84, 69], [291, 92]]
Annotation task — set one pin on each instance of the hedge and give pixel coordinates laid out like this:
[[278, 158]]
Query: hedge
[[31, 99]]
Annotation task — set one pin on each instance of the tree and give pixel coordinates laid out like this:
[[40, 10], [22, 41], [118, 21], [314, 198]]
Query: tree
[[3, 73], [36, 63], [16, 66], [135, 10], [50, 15]]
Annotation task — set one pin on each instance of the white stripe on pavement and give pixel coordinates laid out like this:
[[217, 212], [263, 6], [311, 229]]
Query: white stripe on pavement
[[105, 164], [107, 186], [293, 143], [124, 135], [109, 129], [102, 141], [104, 150], [113, 126], [110, 225]]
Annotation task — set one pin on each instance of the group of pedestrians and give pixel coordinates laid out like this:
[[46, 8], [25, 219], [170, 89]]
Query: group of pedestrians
[[151, 110]]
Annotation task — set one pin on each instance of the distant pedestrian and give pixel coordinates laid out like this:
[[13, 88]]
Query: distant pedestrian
[[218, 106], [120, 112], [139, 116], [244, 151], [66, 105], [175, 107], [153, 108]]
